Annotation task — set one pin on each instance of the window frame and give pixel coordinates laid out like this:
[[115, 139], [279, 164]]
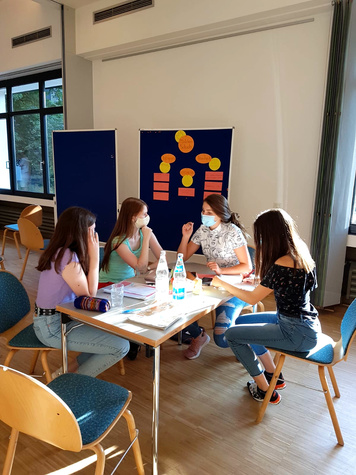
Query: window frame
[[352, 227], [43, 112]]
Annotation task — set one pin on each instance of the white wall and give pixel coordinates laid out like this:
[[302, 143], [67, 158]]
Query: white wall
[[19, 17], [268, 85], [172, 21]]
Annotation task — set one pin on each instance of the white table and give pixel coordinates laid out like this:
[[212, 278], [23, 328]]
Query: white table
[[194, 307]]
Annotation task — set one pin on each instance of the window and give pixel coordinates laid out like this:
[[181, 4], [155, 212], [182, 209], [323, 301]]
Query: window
[[31, 107]]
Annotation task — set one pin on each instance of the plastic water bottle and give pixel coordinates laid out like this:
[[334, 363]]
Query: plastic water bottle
[[179, 276], [162, 278]]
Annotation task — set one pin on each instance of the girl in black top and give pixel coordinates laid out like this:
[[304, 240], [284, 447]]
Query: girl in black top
[[285, 267]]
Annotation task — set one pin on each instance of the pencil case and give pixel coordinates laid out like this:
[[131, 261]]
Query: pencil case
[[92, 303]]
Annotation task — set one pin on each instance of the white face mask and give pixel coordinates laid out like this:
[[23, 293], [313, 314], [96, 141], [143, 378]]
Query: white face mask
[[141, 222]]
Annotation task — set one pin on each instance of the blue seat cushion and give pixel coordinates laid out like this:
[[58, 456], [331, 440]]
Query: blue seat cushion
[[26, 338], [94, 403], [322, 353], [12, 227]]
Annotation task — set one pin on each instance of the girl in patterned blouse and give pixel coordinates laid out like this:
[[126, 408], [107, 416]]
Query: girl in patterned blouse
[[223, 241], [285, 267]]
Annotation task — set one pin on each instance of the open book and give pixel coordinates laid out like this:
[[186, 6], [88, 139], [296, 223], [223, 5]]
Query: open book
[[160, 316]]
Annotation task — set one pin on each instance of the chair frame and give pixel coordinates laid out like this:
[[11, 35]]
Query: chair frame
[[38, 352], [280, 357], [56, 433], [34, 214], [31, 238]]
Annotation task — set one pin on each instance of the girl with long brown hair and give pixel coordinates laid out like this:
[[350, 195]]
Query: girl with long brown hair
[[127, 249], [285, 267], [69, 268]]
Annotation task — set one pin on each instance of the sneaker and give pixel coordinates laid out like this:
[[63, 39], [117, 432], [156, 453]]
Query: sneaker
[[281, 384], [196, 346], [259, 395]]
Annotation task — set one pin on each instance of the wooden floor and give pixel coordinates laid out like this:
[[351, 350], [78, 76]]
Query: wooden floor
[[207, 418]]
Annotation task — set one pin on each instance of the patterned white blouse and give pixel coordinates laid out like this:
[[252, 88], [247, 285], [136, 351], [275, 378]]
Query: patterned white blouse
[[218, 244]]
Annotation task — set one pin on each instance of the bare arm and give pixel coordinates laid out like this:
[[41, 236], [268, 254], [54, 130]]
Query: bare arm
[[250, 297], [138, 263], [74, 275], [186, 247], [244, 266], [156, 249]]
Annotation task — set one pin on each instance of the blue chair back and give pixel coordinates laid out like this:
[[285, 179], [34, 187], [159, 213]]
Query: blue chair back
[[14, 301], [348, 325]]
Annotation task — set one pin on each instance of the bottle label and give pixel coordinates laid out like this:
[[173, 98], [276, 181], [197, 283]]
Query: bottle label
[[178, 293]]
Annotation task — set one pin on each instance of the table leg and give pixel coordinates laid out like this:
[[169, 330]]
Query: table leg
[[64, 319], [155, 412]]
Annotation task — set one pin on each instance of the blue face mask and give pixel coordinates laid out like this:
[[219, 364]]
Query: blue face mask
[[207, 220]]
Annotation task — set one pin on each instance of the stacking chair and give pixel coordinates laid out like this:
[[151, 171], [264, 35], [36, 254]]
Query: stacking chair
[[34, 214], [31, 238], [74, 412], [325, 355], [14, 306]]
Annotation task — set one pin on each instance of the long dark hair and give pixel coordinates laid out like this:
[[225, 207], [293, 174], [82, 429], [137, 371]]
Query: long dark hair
[[276, 235], [124, 227], [220, 206], [71, 233]]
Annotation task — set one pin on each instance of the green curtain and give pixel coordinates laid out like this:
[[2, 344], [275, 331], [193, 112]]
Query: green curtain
[[329, 141]]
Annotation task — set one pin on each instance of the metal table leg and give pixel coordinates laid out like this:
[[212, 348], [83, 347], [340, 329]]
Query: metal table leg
[[155, 412], [64, 320]]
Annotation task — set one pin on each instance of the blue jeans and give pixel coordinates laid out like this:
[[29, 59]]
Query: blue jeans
[[99, 350], [226, 315], [270, 329]]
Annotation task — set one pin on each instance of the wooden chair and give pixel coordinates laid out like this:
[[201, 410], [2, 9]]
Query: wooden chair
[[14, 308], [325, 355], [74, 412], [2, 265], [31, 238], [34, 214]]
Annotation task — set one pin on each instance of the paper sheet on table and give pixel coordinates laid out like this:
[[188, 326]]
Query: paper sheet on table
[[135, 291], [159, 316]]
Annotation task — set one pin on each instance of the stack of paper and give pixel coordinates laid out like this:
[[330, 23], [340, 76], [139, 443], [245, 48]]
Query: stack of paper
[[139, 291]]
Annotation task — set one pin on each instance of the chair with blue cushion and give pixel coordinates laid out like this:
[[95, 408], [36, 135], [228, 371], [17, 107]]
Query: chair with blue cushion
[[74, 412], [34, 214], [14, 307], [325, 355]]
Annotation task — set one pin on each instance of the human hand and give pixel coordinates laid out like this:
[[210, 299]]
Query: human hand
[[214, 267], [187, 229], [146, 232], [93, 247], [216, 282]]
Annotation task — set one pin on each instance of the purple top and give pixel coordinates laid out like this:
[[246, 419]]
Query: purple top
[[52, 288]]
